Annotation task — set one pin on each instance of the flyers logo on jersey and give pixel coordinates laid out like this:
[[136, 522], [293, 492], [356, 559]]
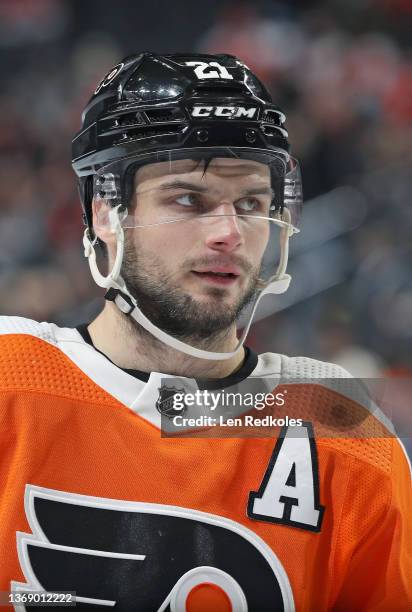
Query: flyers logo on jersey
[[225, 112], [141, 556]]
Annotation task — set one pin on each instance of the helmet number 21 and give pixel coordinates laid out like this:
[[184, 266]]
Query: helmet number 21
[[203, 70]]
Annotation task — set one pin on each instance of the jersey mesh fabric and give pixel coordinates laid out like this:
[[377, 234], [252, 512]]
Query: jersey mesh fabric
[[63, 432], [21, 325], [341, 409], [39, 366]]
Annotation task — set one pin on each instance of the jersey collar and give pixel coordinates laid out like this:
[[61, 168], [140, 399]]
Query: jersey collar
[[249, 365]]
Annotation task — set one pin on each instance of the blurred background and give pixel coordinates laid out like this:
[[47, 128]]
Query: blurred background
[[342, 71]]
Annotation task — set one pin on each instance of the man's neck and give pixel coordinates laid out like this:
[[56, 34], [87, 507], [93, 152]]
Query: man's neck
[[132, 347]]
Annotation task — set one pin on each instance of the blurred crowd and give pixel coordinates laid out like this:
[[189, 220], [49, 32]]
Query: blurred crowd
[[343, 74]]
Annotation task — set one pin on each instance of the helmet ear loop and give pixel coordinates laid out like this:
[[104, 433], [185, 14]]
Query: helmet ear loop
[[286, 231], [285, 234], [89, 251]]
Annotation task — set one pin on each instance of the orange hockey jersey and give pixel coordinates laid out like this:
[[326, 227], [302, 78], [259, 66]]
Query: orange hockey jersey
[[312, 517]]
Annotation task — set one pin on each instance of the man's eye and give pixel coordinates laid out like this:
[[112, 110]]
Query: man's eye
[[248, 205], [187, 199]]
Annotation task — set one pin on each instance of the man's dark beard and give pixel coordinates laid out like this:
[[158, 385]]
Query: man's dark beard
[[170, 308]]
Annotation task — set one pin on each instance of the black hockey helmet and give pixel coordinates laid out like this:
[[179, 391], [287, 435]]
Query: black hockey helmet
[[151, 103]]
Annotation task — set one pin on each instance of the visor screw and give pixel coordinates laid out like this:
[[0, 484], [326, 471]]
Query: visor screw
[[202, 135], [250, 135]]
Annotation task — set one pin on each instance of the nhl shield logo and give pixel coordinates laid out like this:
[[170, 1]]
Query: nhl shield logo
[[165, 403]]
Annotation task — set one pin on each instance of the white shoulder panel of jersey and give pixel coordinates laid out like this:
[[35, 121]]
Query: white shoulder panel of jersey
[[305, 367], [300, 370], [20, 325], [269, 364], [124, 387], [333, 376], [304, 370]]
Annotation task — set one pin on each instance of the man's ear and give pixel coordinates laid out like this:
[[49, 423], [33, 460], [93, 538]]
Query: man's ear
[[101, 221]]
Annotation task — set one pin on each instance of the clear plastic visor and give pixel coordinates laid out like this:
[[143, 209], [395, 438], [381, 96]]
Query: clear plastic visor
[[212, 219], [201, 186]]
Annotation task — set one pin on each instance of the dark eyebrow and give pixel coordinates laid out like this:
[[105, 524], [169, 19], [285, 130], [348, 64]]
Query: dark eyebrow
[[183, 185], [259, 191], [178, 184]]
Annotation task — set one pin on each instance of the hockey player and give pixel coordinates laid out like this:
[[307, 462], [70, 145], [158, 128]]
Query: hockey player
[[189, 190]]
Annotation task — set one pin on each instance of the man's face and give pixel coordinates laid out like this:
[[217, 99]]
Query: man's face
[[192, 277]]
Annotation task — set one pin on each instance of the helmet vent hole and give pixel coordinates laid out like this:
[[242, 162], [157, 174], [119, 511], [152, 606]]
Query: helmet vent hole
[[164, 115], [270, 131], [273, 117]]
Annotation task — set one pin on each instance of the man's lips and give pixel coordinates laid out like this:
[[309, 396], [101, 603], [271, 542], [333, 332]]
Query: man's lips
[[231, 270], [221, 275]]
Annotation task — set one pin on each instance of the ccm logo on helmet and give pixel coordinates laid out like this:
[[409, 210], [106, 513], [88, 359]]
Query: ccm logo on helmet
[[230, 112]]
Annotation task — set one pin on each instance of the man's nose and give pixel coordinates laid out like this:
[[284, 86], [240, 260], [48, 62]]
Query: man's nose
[[223, 231]]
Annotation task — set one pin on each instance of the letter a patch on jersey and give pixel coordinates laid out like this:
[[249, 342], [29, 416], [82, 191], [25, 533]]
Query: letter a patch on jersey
[[289, 493]]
